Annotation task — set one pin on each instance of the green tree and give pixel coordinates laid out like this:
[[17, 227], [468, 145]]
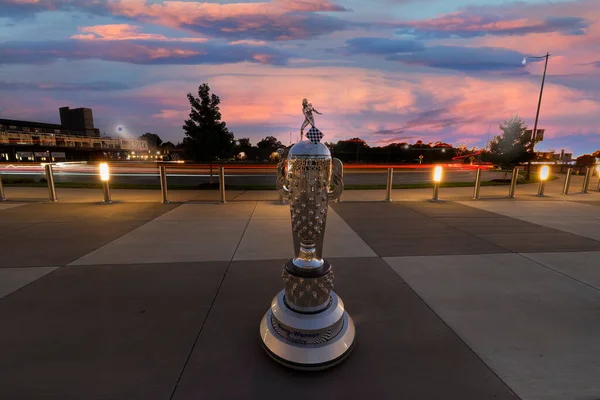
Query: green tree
[[270, 143], [244, 143], [511, 147], [206, 136], [587, 159], [154, 141]]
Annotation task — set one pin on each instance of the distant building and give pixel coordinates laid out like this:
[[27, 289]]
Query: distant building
[[75, 139], [78, 120], [554, 157]]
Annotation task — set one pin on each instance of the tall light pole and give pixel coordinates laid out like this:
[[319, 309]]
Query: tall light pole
[[537, 114]]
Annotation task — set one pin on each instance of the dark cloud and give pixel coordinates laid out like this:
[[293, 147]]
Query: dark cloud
[[100, 86], [468, 25], [137, 52], [467, 59], [379, 45], [278, 20], [289, 26], [18, 9]]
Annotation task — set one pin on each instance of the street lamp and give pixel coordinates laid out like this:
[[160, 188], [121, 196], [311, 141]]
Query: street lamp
[[537, 114]]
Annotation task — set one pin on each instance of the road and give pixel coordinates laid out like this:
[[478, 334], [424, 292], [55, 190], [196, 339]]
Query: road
[[184, 176]]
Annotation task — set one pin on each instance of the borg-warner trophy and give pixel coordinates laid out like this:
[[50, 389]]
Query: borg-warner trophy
[[307, 326]]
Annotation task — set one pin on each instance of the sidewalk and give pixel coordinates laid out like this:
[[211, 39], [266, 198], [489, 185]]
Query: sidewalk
[[459, 299]]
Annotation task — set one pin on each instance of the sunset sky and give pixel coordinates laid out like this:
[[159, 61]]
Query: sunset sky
[[383, 70]]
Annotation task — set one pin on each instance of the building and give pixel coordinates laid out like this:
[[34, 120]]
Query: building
[[75, 139], [561, 157], [78, 120]]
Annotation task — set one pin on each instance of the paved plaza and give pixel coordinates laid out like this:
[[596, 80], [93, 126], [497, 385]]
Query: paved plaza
[[458, 299]]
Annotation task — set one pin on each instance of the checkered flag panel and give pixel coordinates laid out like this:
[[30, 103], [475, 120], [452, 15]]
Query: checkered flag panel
[[314, 135]]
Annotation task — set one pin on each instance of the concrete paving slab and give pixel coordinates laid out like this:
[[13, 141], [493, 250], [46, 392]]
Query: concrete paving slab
[[403, 350], [342, 241], [13, 279], [9, 228], [537, 329], [255, 195], [78, 212], [8, 205], [583, 226], [541, 242], [494, 225], [58, 243], [172, 241], [582, 266], [195, 212], [271, 210], [267, 239], [104, 332], [540, 208], [388, 234]]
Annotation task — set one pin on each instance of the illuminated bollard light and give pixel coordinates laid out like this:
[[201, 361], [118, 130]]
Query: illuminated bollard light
[[390, 180], [544, 173], [567, 181], [437, 178], [104, 177], [2, 195]]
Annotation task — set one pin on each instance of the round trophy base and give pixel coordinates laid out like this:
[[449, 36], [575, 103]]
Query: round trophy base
[[290, 351]]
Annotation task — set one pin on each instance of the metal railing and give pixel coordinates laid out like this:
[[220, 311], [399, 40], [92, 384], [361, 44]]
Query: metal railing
[[163, 169]]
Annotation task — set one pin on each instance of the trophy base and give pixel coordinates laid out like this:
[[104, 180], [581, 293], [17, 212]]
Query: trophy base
[[307, 341]]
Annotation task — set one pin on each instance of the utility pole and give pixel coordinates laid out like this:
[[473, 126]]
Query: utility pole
[[537, 115]]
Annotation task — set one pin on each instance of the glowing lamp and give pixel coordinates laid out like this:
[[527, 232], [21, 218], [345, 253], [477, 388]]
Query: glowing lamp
[[104, 173], [437, 174], [598, 168], [544, 172]]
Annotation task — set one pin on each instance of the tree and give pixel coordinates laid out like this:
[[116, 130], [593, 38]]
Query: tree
[[206, 136], [511, 147], [587, 159], [154, 141], [270, 143], [244, 143]]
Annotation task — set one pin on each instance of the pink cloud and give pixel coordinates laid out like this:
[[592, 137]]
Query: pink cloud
[[125, 32], [259, 20]]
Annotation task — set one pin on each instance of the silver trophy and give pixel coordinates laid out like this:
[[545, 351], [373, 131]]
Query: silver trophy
[[307, 326]]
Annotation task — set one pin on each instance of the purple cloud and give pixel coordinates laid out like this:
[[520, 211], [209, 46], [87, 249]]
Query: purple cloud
[[463, 24], [100, 86], [467, 59], [379, 45], [278, 20], [137, 52]]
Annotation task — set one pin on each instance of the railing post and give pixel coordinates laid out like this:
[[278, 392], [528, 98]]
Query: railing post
[[222, 184], [513, 183], [106, 190], [586, 180], [2, 195], [50, 178], [339, 199], [390, 180], [163, 184], [477, 184], [567, 181]]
